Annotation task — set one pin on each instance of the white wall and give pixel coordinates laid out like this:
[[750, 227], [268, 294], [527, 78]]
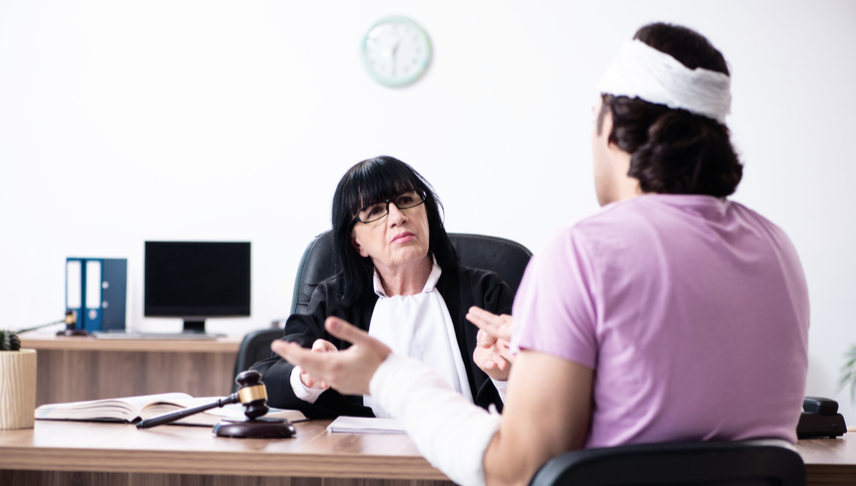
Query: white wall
[[122, 122]]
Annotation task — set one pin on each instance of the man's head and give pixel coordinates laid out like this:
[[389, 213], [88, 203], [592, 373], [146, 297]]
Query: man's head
[[671, 127]]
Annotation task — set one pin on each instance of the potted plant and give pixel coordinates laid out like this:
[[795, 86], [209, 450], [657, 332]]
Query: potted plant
[[17, 383], [848, 372]]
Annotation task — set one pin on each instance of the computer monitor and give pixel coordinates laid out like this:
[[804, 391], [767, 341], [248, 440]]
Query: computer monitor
[[196, 280]]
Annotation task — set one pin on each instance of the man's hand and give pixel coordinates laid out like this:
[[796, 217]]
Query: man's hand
[[348, 371], [493, 329], [319, 346], [488, 356]]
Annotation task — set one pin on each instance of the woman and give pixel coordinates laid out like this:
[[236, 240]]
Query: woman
[[400, 280]]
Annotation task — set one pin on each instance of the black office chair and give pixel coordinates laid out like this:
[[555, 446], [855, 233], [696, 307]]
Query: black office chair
[[505, 257], [676, 463], [254, 348]]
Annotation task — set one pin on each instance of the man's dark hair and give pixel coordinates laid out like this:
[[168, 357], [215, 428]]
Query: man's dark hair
[[369, 182], [674, 151]]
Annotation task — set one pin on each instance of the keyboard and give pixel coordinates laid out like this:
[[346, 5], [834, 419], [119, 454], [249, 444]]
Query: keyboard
[[169, 336]]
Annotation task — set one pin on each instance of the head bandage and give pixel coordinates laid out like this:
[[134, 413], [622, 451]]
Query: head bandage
[[640, 71]]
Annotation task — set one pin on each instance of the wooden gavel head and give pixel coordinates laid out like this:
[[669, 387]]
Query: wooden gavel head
[[252, 393]]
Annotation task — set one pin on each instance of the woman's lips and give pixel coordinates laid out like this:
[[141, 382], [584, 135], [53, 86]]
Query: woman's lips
[[403, 237]]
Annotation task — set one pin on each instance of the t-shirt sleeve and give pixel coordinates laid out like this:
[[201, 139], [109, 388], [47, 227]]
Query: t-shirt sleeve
[[555, 310]]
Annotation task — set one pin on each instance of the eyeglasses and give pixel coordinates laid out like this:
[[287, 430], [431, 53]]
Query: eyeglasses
[[378, 211]]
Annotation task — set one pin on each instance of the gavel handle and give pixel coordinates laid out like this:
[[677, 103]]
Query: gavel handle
[[173, 416]]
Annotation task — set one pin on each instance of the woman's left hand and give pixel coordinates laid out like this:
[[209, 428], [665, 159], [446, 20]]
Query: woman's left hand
[[348, 371]]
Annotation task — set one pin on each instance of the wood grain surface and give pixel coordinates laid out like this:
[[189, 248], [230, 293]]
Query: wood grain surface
[[830, 461], [75, 369], [177, 450], [35, 340], [99, 453], [17, 388]]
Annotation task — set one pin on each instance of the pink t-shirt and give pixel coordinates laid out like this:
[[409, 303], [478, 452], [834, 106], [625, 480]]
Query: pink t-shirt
[[692, 311]]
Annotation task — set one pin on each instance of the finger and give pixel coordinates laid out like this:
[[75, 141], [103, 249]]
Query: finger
[[354, 335], [484, 339], [486, 321], [506, 354], [307, 379], [298, 356], [478, 314], [322, 346]]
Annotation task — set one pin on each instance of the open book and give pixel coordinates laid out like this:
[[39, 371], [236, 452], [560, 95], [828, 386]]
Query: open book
[[134, 409]]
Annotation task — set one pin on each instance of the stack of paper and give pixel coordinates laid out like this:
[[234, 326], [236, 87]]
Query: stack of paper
[[365, 425]]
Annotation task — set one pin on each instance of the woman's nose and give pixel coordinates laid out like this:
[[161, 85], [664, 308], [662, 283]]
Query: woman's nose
[[396, 216]]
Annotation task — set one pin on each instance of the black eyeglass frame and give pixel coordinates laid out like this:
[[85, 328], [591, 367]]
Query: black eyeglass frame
[[421, 195]]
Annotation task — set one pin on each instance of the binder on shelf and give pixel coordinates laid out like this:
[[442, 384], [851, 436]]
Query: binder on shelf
[[96, 292], [73, 287]]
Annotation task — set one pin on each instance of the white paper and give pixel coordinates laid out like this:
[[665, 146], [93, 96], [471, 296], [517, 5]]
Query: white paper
[[365, 425]]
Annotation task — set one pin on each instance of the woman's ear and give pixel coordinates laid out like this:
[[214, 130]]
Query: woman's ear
[[363, 253]]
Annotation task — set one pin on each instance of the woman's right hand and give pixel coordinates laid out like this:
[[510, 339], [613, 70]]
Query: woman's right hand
[[319, 346]]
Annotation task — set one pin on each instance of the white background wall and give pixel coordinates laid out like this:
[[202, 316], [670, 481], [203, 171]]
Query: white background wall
[[122, 122]]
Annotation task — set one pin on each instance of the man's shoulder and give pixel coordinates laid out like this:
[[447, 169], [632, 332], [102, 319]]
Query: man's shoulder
[[617, 217]]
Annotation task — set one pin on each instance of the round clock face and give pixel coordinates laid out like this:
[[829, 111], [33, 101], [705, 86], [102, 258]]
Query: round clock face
[[396, 51]]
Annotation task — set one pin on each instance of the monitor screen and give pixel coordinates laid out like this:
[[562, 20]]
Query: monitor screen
[[195, 280]]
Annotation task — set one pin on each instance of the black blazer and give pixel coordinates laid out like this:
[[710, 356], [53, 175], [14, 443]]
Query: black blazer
[[460, 289]]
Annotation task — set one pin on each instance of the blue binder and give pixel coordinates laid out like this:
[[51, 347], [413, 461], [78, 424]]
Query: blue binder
[[96, 292]]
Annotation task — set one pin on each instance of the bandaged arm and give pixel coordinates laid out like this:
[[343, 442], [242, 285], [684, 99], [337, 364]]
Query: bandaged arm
[[421, 400]]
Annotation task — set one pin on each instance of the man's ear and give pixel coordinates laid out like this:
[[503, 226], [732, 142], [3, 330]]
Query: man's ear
[[363, 253], [605, 129]]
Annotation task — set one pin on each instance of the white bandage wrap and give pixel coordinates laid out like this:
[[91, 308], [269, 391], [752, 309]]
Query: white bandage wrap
[[640, 71], [449, 430]]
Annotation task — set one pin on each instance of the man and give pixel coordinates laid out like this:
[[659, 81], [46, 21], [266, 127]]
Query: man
[[645, 322]]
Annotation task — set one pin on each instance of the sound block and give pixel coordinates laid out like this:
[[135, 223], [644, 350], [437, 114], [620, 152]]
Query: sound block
[[260, 428]]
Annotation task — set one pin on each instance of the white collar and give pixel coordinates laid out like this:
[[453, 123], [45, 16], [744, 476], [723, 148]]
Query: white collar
[[429, 285]]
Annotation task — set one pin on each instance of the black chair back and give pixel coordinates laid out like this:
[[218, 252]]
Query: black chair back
[[505, 257], [254, 348], [678, 463]]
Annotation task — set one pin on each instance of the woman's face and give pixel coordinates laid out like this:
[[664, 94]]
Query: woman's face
[[396, 240]]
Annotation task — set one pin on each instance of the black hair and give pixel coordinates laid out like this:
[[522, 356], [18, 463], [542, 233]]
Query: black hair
[[674, 151], [369, 182]]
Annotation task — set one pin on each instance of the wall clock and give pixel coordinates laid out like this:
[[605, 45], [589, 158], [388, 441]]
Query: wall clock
[[396, 51]]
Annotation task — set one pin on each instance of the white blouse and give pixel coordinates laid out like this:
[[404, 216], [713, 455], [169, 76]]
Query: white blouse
[[418, 326]]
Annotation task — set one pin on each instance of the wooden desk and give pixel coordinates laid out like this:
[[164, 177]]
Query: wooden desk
[[72, 369], [96, 454]]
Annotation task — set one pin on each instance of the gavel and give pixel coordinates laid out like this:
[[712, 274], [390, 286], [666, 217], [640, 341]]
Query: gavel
[[252, 394]]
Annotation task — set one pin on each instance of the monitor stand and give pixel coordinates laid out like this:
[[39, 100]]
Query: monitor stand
[[194, 327]]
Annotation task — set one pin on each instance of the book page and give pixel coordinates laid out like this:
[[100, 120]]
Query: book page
[[210, 417], [125, 409]]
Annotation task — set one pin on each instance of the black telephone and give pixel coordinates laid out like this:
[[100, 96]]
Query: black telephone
[[820, 418]]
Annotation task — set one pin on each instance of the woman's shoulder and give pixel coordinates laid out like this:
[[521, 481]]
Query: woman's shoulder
[[479, 279], [477, 274], [486, 289]]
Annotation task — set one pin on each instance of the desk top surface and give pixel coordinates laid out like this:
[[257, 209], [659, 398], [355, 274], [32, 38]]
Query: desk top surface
[[50, 341], [82, 446], [109, 447]]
